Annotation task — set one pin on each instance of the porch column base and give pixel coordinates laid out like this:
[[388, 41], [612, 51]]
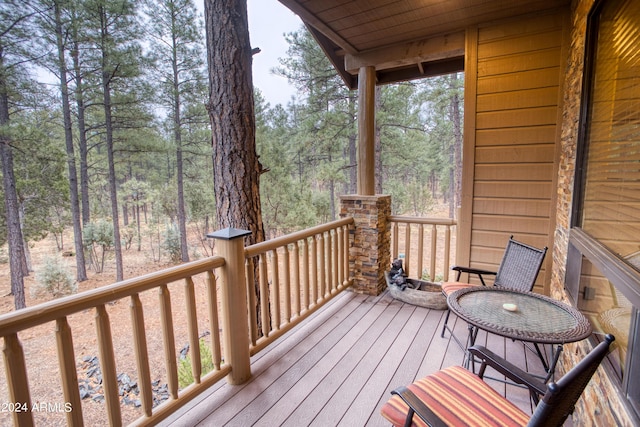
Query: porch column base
[[370, 251]]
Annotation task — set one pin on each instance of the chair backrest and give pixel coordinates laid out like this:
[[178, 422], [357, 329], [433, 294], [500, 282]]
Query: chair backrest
[[520, 266], [560, 399]]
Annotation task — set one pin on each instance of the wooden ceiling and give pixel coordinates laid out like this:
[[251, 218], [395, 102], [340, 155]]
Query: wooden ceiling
[[403, 39]]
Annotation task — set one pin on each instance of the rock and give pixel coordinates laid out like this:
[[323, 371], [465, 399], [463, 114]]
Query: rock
[[84, 392]]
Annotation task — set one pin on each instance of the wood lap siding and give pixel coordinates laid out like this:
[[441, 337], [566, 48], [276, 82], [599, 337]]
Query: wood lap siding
[[516, 113]]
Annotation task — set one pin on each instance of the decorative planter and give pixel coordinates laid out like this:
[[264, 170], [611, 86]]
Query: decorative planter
[[418, 292]]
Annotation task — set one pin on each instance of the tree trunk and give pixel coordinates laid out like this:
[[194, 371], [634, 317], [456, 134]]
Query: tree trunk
[[14, 233], [125, 213], [27, 266], [106, 89], [236, 167], [82, 135], [136, 209], [177, 132], [81, 271]]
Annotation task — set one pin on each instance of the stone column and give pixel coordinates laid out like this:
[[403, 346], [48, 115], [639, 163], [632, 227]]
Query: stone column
[[370, 251]]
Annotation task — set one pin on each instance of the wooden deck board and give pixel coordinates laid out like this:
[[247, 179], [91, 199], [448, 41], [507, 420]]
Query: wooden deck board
[[339, 366]]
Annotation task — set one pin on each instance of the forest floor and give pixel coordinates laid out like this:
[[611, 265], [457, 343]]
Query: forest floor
[[39, 343]]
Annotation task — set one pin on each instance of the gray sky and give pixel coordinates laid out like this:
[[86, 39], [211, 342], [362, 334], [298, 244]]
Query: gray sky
[[269, 20]]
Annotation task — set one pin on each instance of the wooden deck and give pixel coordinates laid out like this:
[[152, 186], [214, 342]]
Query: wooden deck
[[339, 366]]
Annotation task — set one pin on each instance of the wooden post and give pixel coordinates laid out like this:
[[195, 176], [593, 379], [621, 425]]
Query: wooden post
[[235, 325], [366, 130]]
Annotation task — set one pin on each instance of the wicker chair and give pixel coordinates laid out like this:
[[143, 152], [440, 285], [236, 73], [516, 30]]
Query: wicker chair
[[518, 269], [455, 396]]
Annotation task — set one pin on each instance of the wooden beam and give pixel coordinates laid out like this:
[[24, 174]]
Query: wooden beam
[[335, 55], [421, 70], [402, 55], [366, 130]]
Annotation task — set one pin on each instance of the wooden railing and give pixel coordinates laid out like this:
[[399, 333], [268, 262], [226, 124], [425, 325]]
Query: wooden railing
[[58, 312], [309, 268], [296, 275], [408, 242]]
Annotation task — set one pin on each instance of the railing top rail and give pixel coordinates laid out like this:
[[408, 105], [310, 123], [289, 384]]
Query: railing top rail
[[269, 245], [51, 310], [421, 220]]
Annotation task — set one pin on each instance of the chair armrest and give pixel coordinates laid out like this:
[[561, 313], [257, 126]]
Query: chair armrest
[[515, 374], [470, 270], [418, 407]]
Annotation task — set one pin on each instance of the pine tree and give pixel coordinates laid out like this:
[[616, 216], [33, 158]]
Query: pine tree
[[54, 22], [231, 109], [178, 64], [15, 30], [115, 33]]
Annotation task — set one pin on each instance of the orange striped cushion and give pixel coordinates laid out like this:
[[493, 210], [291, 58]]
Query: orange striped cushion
[[459, 398], [450, 287]]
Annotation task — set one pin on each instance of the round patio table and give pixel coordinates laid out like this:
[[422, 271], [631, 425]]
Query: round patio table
[[522, 316]]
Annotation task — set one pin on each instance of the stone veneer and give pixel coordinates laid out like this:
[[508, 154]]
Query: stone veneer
[[370, 250], [600, 404]]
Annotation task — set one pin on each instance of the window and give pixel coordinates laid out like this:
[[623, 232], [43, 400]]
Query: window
[[603, 262]]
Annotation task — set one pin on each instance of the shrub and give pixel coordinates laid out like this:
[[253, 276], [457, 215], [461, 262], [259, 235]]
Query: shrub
[[185, 374], [171, 243], [97, 238], [54, 279]]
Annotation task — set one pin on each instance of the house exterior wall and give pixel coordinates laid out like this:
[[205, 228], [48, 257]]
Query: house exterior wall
[[513, 96], [522, 108], [598, 406]]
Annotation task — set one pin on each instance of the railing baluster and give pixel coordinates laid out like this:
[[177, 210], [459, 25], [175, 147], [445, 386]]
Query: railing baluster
[[340, 252], [287, 284], [420, 250], [214, 324], [192, 327], [68, 372], [296, 278], [407, 248], [434, 252], [314, 270], [264, 295], [305, 272], [169, 341], [17, 382], [335, 244], [345, 253], [447, 251], [396, 235], [108, 366], [326, 260], [253, 304], [142, 355], [321, 267], [275, 289]]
